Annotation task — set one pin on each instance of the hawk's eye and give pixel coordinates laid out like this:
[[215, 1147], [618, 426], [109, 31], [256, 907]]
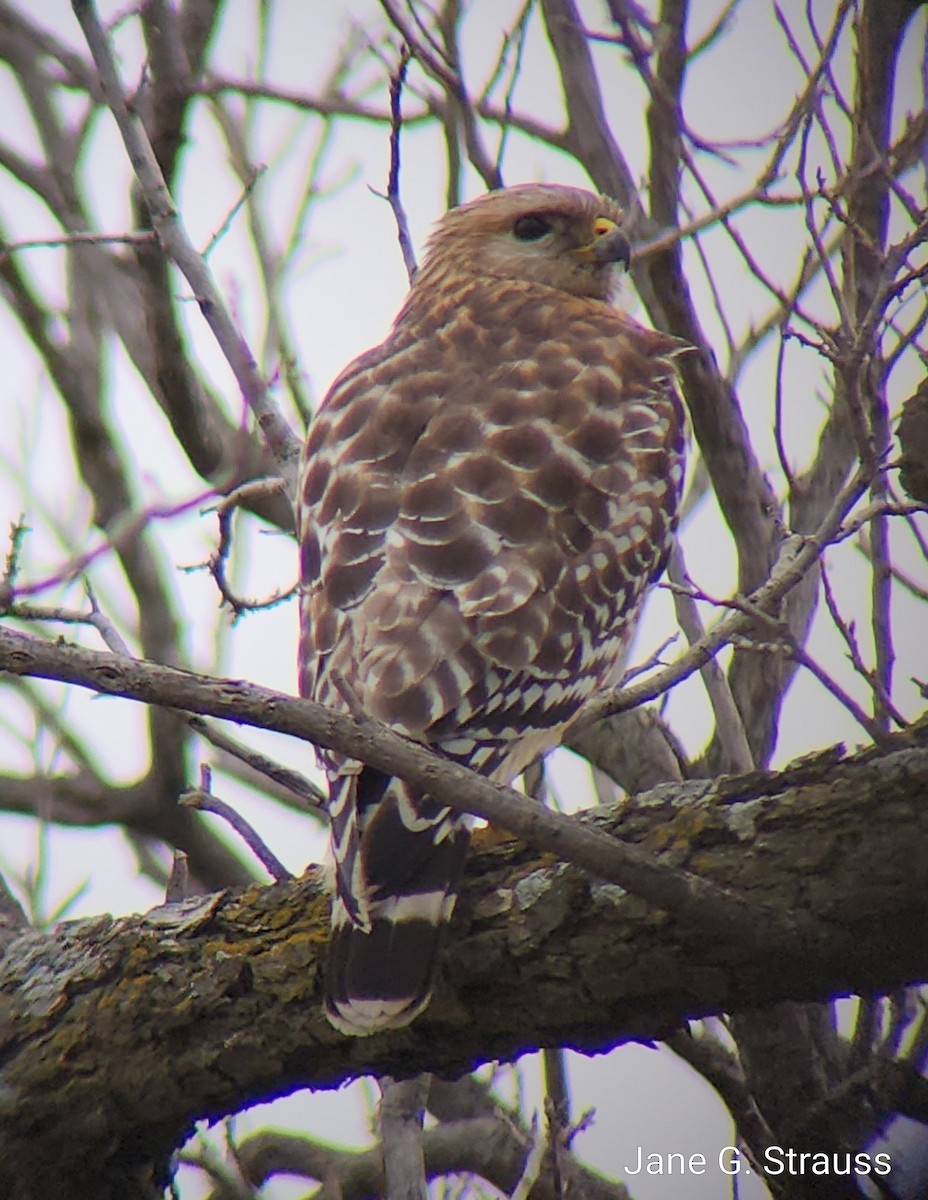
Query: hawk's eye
[[531, 228]]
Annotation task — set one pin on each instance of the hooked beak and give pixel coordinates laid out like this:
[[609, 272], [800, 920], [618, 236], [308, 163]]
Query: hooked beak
[[609, 244]]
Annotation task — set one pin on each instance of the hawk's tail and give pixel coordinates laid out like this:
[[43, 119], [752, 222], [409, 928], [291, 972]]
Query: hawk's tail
[[397, 875]]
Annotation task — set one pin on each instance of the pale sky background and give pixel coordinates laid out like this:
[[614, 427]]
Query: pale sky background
[[347, 284]]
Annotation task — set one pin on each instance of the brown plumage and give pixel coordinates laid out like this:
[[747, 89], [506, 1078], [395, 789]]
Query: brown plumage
[[486, 498]]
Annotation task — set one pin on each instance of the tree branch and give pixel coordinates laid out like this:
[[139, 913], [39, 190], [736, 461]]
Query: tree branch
[[688, 896], [101, 1018]]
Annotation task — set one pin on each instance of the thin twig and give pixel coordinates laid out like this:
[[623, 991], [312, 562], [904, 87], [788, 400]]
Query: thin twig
[[778, 433], [110, 636], [119, 533], [217, 562], [226, 225], [13, 919], [847, 633], [397, 80], [203, 800], [918, 590], [142, 238], [873, 728], [557, 1111], [312, 799], [18, 531]]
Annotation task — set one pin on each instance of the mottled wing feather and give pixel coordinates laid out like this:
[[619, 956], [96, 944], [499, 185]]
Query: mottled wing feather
[[496, 521]]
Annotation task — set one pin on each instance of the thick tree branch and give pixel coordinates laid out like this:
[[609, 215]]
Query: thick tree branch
[[100, 1019]]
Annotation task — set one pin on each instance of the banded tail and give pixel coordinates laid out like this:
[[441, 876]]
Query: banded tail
[[398, 863]]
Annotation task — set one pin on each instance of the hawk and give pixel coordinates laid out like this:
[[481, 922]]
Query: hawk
[[485, 499]]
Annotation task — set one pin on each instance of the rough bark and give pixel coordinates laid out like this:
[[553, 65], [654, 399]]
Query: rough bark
[[115, 1035]]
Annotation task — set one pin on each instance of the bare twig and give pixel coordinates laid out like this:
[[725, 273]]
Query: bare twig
[[203, 800], [873, 728], [397, 79], [18, 531], [720, 1067], [918, 590], [13, 918], [557, 1111], [216, 564], [142, 238], [847, 634], [490, 1143], [298, 788], [120, 533], [108, 632], [247, 192]]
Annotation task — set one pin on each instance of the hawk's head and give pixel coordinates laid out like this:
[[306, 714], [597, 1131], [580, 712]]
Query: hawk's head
[[561, 237]]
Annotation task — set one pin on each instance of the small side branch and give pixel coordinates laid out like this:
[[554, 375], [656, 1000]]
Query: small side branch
[[219, 559], [203, 800], [397, 82]]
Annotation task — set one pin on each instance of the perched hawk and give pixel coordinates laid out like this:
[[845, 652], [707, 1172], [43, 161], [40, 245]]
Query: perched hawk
[[485, 499]]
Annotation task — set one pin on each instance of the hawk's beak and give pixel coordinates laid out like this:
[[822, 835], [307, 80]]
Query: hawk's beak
[[609, 244]]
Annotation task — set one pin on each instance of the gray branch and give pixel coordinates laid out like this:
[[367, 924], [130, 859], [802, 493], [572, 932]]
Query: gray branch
[[686, 895], [100, 1018]]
